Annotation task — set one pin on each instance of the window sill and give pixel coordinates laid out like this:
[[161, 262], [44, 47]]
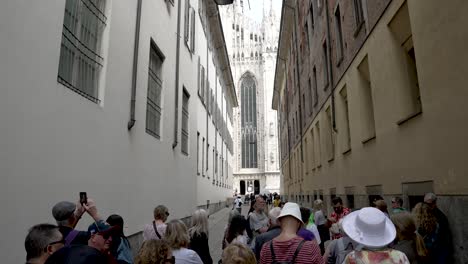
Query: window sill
[[409, 117], [347, 151], [368, 139]]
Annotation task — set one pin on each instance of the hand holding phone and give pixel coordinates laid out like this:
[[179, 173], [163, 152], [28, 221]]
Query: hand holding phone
[[83, 198]]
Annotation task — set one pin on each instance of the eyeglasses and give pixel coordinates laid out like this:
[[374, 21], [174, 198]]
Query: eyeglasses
[[62, 241], [171, 260]]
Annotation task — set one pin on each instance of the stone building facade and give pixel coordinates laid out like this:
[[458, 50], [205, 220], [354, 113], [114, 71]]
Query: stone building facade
[[370, 98], [252, 48]]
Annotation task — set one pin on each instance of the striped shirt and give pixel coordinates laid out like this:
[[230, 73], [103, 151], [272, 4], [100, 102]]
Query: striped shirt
[[284, 252]]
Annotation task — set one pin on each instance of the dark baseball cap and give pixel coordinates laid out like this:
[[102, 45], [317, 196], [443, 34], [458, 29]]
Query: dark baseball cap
[[63, 210], [102, 228]]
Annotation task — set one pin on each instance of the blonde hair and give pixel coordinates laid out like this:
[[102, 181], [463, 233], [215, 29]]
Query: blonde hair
[[176, 234], [199, 223], [318, 204], [237, 253], [381, 205], [406, 230], [425, 218], [152, 252]]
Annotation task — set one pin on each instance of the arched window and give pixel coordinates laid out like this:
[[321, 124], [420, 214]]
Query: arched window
[[249, 122], [256, 54]]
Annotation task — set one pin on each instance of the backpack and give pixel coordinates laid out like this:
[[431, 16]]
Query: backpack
[[293, 260], [340, 252]]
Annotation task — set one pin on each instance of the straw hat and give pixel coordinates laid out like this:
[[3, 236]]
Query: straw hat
[[369, 227], [291, 209]]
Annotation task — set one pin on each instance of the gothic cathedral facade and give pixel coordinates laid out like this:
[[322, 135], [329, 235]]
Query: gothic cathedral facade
[[252, 47]]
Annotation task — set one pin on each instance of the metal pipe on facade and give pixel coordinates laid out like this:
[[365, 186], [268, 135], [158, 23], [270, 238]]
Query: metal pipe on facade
[[176, 107], [298, 81], [131, 122], [330, 69]]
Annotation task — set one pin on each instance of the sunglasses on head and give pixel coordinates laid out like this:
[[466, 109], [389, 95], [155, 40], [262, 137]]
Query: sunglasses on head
[[170, 260], [167, 213]]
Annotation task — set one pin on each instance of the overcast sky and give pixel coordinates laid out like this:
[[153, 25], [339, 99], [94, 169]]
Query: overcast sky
[[256, 8]]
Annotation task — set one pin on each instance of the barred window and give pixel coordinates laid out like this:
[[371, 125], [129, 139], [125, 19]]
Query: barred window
[[153, 102], [80, 53], [185, 122]]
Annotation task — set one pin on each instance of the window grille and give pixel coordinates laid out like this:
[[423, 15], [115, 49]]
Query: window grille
[[185, 122], [153, 103], [80, 53]]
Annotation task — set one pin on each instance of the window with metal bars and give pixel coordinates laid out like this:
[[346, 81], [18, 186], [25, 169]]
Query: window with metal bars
[[80, 53], [185, 122], [153, 102]]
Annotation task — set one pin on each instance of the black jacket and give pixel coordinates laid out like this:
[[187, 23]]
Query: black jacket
[[199, 244]]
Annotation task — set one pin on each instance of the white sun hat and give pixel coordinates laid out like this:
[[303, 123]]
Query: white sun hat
[[369, 227], [291, 209]]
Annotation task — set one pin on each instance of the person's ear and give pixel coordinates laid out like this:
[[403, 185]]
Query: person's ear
[[50, 250]]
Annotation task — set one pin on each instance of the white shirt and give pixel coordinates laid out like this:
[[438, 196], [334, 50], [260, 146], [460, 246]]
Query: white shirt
[[186, 256], [238, 202], [319, 218]]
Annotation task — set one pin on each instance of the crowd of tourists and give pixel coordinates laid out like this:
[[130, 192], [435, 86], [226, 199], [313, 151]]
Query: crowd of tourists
[[271, 232]]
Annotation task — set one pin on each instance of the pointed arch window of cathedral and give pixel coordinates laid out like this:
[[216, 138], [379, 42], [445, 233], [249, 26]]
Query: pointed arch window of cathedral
[[249, 122], [255, 38], [251, 36], [251, 54], [256, 54], [242, 55]]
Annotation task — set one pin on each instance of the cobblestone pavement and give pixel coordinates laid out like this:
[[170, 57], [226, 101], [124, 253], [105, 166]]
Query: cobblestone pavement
[[217, 222]]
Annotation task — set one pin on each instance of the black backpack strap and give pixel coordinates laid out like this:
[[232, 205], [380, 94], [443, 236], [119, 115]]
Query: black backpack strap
[[297, 251], [156, 230], [273, 257]]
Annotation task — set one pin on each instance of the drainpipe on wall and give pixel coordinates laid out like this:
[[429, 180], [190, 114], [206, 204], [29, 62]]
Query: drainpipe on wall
[[298, 82], [176, 107], [131, 122], [330, 70]]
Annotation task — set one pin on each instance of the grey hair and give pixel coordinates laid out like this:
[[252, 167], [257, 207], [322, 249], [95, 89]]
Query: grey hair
[[199, 223], [318, 204], [430, 197], [273, 215], [38, 238]]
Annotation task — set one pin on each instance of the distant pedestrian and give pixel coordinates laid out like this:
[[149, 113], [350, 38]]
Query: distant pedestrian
[[429, 228], [288, 246], [121, 248], [273, 231], [232, 213], [236, 232], [41, 242], [339, 211], [157, 229], [370, 228], [397, 205], [303, 231], [382, 206], [198, 233], [408, 240], [258, 220], [238, 254], [276, 201], [154, 252], [321, 223], [446, 250], [67, 215], [178, 238], [238, 204]]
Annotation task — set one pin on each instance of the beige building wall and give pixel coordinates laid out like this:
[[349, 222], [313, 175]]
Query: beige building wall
[[385, 142]]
